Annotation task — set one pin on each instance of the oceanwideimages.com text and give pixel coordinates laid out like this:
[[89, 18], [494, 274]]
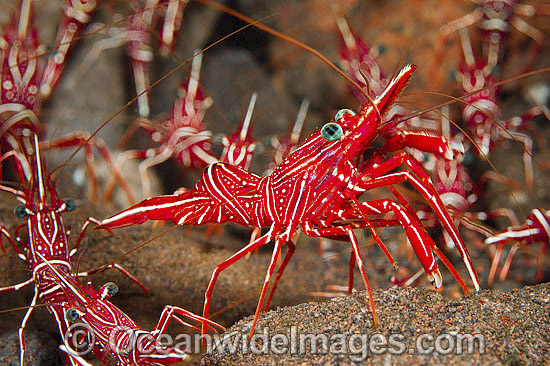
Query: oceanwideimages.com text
[[357, 347]]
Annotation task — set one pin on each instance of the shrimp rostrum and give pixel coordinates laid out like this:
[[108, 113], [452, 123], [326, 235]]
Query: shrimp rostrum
[[317, 189]]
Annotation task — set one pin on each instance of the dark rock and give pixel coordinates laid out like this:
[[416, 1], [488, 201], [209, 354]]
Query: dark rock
[[40, 349]]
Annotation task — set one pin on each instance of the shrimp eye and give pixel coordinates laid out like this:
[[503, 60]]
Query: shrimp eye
[[468, 158], [259, 148], [70, 205], [495, 70], [72, 314], [341, 112], [109, 289], [454, 75], [20, 211], [331, 131]]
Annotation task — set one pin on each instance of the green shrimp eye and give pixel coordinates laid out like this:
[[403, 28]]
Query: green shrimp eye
[[454, 76], [468, 158], [331, 131], [341, 112], [20, 211], [109, 289], [259, 148], [72, 314], [70, 205]]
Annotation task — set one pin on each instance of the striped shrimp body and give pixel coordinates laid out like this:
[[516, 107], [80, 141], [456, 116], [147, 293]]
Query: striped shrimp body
[[315, 188], [57, 286], [535, 229]]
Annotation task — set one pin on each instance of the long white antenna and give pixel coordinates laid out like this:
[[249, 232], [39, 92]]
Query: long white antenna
[[40, 173], [300, 118], [248, 117], [24, 18]]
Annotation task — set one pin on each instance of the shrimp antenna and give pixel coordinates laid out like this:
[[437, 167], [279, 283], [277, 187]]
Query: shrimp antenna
[[293, 41]]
